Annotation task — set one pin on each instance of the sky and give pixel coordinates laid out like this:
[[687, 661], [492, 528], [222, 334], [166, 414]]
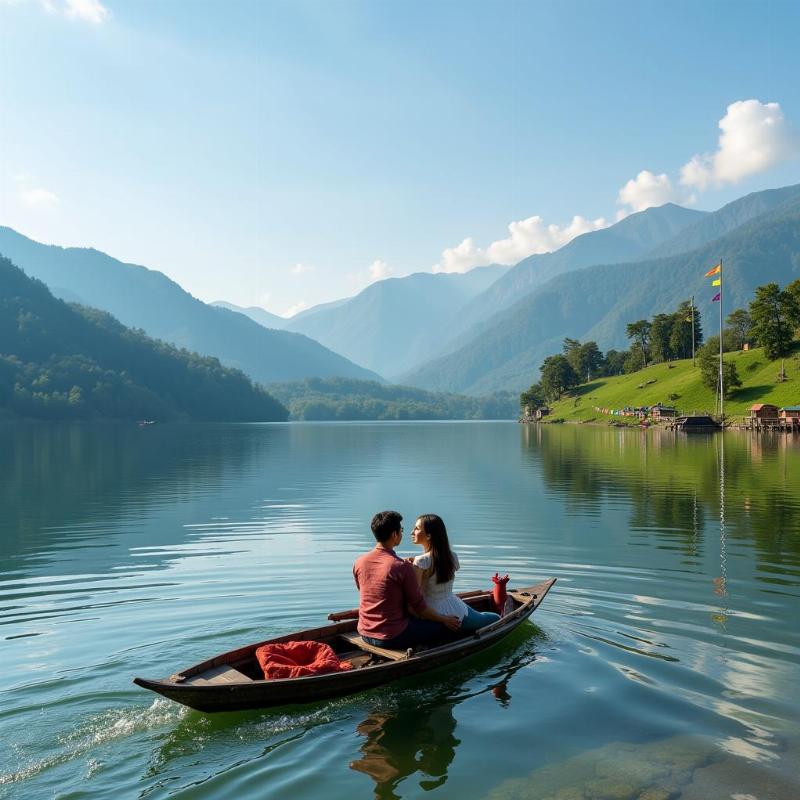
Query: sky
[[284, 153]]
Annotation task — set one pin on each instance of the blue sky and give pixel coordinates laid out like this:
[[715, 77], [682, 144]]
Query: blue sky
[[287, 153]]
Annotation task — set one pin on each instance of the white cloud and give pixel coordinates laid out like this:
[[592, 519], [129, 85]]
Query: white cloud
[[646, 190], [32, 195], [302, 269], [526, 237], [379, 270], [87, 10], [38, 197], [462, 257], [755, 137], [295, 309]]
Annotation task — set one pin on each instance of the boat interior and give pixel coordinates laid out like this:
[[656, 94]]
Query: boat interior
[[241, 666]]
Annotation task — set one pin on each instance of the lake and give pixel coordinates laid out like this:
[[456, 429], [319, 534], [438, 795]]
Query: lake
[[663, 664]]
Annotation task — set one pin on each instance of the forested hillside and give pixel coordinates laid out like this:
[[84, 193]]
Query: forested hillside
[[341, 399], [67, 361], [147, 299]]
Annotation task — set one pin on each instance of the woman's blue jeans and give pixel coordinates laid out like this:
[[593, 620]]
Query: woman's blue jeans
[[477, 619]]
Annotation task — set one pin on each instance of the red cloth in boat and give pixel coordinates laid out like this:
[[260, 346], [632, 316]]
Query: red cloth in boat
[[296, 659]]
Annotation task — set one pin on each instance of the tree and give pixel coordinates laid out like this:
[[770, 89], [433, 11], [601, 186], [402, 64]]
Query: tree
[[557, 376], [591, 360], [640, 331], [572, 352], [739, 323], [681, 336], [533, 397], [660, 335], [708, 361], [586, 359], [774, 313], [615, 362], [793, 290], [634, 359]]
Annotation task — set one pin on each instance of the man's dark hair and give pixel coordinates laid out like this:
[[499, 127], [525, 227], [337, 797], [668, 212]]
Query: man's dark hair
[[385, 523]]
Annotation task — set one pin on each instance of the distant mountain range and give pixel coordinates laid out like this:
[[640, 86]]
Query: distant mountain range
[[483, 331], [256, 313], [397, 323], [627, 240], [758, 237], [60, 361], [143, 298]]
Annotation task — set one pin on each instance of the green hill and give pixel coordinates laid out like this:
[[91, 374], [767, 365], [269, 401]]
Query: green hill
[[61, 361], [660, 382]]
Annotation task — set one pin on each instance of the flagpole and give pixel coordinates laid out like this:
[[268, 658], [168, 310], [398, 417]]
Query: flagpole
[[721, 387], [692, 305]]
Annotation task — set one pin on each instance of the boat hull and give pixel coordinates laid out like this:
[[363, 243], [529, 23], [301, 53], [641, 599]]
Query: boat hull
[[254, 694]]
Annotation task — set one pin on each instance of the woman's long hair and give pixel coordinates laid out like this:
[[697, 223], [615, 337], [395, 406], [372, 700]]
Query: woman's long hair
[[443, 564]]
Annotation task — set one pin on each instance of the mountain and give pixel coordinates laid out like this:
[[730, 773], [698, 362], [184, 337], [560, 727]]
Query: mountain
[[143, 298], [256, 313], [726, 219], [597, 302], [314, 309], [627, 240], [65, 361], [395, 323]]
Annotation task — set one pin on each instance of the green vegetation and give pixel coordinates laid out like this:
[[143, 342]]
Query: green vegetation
[[347, 399], [708, 361], [61, 361], [772, 319], [680, 384], [775, 314]]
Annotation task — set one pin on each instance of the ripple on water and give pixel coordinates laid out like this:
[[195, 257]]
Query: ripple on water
[[93, 733]]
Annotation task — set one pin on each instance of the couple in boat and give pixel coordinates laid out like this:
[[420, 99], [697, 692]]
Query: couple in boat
[[409, 602]]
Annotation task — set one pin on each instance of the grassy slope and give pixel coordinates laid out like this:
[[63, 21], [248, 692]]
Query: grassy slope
[[758, 376]]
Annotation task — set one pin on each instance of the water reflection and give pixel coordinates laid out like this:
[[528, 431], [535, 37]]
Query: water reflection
[[420, 737], [399, 744], [693, 480]]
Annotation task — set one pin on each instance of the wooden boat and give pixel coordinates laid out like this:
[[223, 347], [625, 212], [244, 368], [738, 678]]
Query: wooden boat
[[234, 681]]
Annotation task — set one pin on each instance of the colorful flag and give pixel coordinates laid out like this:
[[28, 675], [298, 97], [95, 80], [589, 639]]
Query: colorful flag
[[713, 271], [715, 298], [717, 282]]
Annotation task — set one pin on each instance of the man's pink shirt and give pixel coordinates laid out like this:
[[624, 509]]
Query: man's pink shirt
[[388, 589]]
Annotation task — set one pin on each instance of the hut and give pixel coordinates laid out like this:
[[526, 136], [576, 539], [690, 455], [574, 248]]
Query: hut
[[540, 412], [659, 413], [790, 418], [763, 411], [790, 412]]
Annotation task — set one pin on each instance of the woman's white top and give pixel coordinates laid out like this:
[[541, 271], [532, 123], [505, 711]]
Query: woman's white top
[[439, 596]]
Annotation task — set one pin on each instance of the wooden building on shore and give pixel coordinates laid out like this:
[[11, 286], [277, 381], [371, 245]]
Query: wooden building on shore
[[763, 412]]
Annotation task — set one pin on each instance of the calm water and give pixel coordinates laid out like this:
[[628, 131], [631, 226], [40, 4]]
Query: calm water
[[663, 664]]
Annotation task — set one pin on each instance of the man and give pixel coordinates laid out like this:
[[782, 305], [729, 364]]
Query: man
[[388, 587]]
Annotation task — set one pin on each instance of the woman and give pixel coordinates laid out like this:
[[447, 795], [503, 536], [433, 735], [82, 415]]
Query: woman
[[436, 570]]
